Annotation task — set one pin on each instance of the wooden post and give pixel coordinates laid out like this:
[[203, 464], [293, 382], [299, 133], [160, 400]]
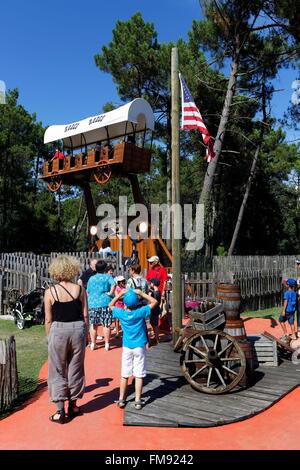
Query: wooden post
[[8, 372], [1, 294], [176, 219], [90, 207]]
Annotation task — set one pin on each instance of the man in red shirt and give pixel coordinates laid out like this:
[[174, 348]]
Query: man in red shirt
[[157, 271]]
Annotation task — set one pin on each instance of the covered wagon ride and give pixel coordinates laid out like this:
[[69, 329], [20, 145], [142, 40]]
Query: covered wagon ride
[[113, 144], [98, 146]]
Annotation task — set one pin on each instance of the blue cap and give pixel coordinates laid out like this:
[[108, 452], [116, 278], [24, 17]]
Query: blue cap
[[291, 282], [130, 298]]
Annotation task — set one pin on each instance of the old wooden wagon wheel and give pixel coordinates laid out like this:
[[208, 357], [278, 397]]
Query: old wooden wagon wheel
[[55, 182], [103, 173], [213, 362]]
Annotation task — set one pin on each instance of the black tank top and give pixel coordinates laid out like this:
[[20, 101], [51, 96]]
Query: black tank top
[[66, 311]]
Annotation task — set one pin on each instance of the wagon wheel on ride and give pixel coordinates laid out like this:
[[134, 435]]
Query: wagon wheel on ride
[[103, 173], [213, 362], [55, 182]]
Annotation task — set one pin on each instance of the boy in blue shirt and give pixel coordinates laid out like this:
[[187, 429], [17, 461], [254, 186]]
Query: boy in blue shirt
[[134, 340], [289, 308]]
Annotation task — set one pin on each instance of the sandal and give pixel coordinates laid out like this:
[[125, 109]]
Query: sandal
[[138, 405], [61, 419], [74, 410], [120, 403]]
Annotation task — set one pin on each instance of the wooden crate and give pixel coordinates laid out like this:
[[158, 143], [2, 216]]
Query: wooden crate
[[264, 350], [209, 320]]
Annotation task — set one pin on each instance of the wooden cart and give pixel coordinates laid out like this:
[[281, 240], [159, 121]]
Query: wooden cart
[[212, 361]]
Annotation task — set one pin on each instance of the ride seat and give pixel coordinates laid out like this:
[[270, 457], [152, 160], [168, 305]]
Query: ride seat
[[97, 156], [72, 161], [84, 158]]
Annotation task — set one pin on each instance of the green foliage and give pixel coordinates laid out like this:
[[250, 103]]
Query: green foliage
[[221, 250], [22, 198], [135, 66]]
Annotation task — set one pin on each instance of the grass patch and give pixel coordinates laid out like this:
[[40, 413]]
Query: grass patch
[[31, 349], [267, 313]]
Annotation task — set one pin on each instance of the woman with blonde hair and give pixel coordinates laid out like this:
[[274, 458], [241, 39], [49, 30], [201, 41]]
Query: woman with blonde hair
[[67, 325]]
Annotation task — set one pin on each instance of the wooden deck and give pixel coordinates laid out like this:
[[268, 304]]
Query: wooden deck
[[171, 402]]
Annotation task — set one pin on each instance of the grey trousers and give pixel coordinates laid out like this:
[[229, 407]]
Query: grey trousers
[[66, 349]]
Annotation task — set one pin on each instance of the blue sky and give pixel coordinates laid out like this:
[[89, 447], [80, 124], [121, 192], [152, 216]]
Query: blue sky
[[47, 51]]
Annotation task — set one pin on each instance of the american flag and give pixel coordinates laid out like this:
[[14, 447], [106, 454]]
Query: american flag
[[192, 119]]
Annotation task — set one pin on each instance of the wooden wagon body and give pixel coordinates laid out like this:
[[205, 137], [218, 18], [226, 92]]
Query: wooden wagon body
[[123, 158]]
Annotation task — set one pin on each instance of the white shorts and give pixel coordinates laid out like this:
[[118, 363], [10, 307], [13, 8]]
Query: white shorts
[[134, 362]]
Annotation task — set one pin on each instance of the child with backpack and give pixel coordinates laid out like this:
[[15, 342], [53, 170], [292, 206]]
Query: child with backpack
[[136, 281]]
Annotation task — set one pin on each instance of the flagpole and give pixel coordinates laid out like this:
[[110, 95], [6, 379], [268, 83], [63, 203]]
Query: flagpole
[[176, 219]]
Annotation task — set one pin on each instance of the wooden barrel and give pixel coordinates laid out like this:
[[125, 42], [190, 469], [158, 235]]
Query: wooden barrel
[[230, 296], [247, 348], [235, 328]]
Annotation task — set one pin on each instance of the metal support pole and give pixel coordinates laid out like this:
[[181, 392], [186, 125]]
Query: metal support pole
[[91, 210], [176, 218]]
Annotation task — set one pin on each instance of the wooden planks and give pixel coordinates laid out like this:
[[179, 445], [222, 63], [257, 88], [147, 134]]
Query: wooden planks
[[171, 402], [264, 350]]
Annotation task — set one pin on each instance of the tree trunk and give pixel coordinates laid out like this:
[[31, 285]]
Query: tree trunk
[[5, 196], [169, 183], [244, 203], [210, 172], [78, 220], [253, 166], [36, 177]]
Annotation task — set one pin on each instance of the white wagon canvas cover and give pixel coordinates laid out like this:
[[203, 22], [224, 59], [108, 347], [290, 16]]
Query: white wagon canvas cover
[[135, 116]]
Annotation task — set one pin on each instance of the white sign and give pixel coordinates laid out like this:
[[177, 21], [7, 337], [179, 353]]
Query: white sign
[[2, 92]]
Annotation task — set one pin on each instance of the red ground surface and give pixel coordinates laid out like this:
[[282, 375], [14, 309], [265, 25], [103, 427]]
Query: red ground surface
[[101, 425]]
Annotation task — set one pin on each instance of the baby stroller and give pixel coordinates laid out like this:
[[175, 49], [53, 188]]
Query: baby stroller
[[29, 308]]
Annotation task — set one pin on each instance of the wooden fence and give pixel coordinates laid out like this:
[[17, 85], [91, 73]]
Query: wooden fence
[[285, 264], [260, 280], [27, 271], [199, 285], [8, 372], [260, 289]]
